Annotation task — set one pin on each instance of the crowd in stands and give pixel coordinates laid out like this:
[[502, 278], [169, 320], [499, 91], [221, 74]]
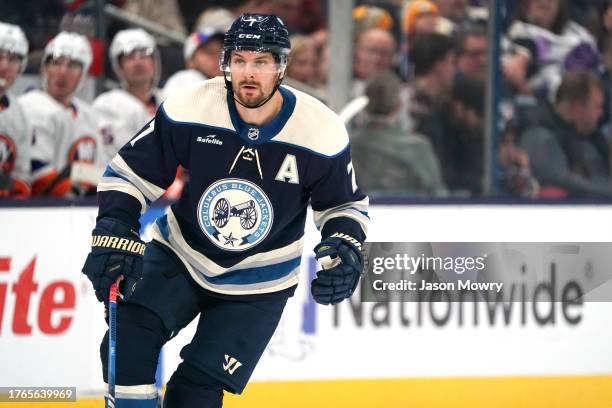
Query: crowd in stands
[[419, 66]]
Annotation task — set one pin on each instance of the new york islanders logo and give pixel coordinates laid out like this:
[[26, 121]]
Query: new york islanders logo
[[83, 149], [235, 214]]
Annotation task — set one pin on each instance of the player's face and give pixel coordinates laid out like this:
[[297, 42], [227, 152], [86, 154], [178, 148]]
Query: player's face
[[138, 67], [10, 65], [254, 75], [206, 58], [63, 76]]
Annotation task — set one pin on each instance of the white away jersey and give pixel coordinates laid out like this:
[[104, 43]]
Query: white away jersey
[[60, 136], [121, 115], [15, 140], [239, 223]]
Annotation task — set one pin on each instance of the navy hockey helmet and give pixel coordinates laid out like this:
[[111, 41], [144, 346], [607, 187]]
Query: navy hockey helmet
[[259, 33]]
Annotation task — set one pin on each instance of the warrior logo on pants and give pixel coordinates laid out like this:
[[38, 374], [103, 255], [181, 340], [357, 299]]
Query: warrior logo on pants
[[235, 214]]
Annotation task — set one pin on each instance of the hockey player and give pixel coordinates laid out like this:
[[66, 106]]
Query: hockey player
[[229, 250], [14, 131], [123, 112], [65, 128], [202, 49]]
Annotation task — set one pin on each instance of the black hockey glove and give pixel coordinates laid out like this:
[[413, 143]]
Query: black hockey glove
[[342, 261], [116, 250]]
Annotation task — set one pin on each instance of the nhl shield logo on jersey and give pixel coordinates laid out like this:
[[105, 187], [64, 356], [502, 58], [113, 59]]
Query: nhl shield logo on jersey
[[235, 214], [253, 133]]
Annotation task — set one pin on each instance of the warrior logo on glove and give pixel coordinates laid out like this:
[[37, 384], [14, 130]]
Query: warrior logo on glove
[[342, 261], [125, 244], [116, 250]]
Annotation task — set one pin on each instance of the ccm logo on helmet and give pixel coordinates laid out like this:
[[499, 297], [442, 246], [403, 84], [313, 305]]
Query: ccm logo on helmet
[[253, 36]]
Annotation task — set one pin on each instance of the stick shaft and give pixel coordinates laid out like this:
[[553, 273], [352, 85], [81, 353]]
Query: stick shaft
[[112, 344]]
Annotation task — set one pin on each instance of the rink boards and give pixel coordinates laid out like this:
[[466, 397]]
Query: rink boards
[[374, 355]]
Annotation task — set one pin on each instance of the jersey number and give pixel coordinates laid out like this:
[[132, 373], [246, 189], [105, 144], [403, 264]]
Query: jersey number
[[351, 171], [147, 130]]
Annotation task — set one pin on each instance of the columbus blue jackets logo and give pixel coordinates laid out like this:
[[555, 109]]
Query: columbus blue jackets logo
[[254, 19], [235, 214]]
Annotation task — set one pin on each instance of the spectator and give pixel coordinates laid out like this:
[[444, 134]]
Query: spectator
[[65, 129], [215, 18], [585, 13], [303, 60], [421, 17], [515, 64], [433, 61], [123, 112], [606, 81], [201, 51], [323, 65], [472, 58], [516, 177], [461, 151], [568, 156], [191, 11], [365, 17], [555, 43], [606, 18], [388, 159], [462, 13], [605, 46], [239, 7], [453, 10], [165, 13], [300, 16], [321, 41], [472, 48], [14, 132], [375, 51]]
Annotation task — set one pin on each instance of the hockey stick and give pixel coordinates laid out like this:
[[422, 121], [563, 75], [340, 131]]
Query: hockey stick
[[112, 342]]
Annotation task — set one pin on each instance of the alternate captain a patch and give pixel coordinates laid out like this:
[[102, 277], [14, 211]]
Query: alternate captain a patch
[[235, 214]]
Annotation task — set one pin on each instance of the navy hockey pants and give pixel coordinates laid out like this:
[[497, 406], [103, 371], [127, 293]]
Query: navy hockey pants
[[231, 335]]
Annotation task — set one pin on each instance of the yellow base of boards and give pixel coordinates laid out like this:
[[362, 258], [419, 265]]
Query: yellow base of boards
[[498, 392]]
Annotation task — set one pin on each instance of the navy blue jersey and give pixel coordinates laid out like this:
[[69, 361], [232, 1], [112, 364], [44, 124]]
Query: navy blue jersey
[[239, 224]]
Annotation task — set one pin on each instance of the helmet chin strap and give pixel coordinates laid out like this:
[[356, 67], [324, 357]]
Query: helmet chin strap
[[228, 86]]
